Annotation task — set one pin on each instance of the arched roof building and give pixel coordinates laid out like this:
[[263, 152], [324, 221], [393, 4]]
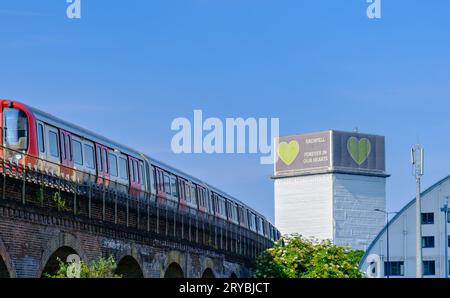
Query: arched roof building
[[402, 239]]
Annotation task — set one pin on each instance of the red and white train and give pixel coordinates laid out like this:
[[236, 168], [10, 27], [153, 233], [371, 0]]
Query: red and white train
[[55, 145]]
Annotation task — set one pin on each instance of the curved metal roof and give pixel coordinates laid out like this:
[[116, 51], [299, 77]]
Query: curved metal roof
[[407, 206]]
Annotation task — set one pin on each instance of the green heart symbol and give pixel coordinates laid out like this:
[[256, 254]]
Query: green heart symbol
[[359, 150], [288, 152]]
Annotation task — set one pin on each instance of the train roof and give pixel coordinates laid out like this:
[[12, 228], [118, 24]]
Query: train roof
[[58, 122]]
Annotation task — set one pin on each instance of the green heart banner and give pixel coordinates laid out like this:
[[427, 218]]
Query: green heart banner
[[359, 149], [288, 152]]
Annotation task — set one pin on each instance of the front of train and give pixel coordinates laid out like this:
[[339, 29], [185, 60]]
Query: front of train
[[18, 126]]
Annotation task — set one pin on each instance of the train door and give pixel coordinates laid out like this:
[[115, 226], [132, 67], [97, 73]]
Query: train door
[[200, 199], [66, 152], [160, 185], [102, 164], [183, 193], [136, 176], [42, 164], [52, 149]]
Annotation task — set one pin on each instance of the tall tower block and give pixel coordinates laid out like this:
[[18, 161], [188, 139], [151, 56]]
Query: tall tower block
[[328, 185]]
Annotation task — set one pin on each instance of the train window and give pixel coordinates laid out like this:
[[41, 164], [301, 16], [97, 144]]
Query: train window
[[167, 184], [252, 221], [123, 168], [69, 147], [132, 172], [53, 143], [193, 198], [224, 208], [216, 203], [99, 159], [189, 194], [137, 177], [200, 199], [141, 171], [77, 152], [199, 195], [63, 147], [105, 160], [15, 129], [260, 225], [41, 138], [160, 181], [153, 171], [208, 199], [113, 165], [234, 215], [184, 191], [89, 156], [173, 186]]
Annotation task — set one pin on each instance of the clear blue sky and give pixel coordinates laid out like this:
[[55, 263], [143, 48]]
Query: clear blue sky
[[128, 68]]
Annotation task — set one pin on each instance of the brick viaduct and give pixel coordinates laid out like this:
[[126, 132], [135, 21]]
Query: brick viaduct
[[44, 217]]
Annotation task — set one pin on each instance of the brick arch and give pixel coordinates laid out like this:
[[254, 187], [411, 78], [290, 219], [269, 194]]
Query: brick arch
[[174, 263], [208, 273], [208, 269], [233, 275], [4, 256], [130, 266], [59, 241], [174, 270]]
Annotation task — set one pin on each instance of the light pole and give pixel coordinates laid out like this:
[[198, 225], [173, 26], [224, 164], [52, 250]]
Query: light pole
[[387, 240], [445, 210], [417, 154]]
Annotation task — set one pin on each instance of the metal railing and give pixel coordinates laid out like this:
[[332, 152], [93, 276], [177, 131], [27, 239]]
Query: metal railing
[[45, 184]]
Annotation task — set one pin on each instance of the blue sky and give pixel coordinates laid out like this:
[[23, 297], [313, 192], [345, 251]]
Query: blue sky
[[126, 69]]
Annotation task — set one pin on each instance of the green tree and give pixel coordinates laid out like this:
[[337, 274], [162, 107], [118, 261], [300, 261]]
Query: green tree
[[297, 257], [100, 268]]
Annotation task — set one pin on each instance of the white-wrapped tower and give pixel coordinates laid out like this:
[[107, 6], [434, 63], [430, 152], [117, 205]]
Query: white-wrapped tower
[[329, 184]]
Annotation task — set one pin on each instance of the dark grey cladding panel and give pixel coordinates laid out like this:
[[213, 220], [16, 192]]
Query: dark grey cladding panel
[[358, 152]]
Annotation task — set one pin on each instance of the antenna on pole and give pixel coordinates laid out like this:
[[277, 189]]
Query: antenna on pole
[[418, 161], [418, 166]]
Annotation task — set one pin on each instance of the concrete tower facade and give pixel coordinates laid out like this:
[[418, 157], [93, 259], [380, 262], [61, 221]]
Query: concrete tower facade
[[328, 185]]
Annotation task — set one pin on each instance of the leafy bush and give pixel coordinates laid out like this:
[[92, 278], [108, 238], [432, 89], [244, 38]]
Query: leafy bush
[[100, 268], [296, 257]]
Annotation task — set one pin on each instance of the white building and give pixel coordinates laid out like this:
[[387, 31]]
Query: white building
[[402, 239], [327, 185]]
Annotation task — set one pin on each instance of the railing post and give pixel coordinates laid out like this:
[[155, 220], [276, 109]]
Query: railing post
[[103, 200], [190, 236], [167, 222], [138, 214], [115, 208], [4, 179], [75, 199], [148, 215], [209, 233], [24, 177], [128, 209], [196, 229], [90, 197], [157, 217], [221, 236], [182, 226], [204, 232], [41, 194], [215, 233], [174, 224]]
